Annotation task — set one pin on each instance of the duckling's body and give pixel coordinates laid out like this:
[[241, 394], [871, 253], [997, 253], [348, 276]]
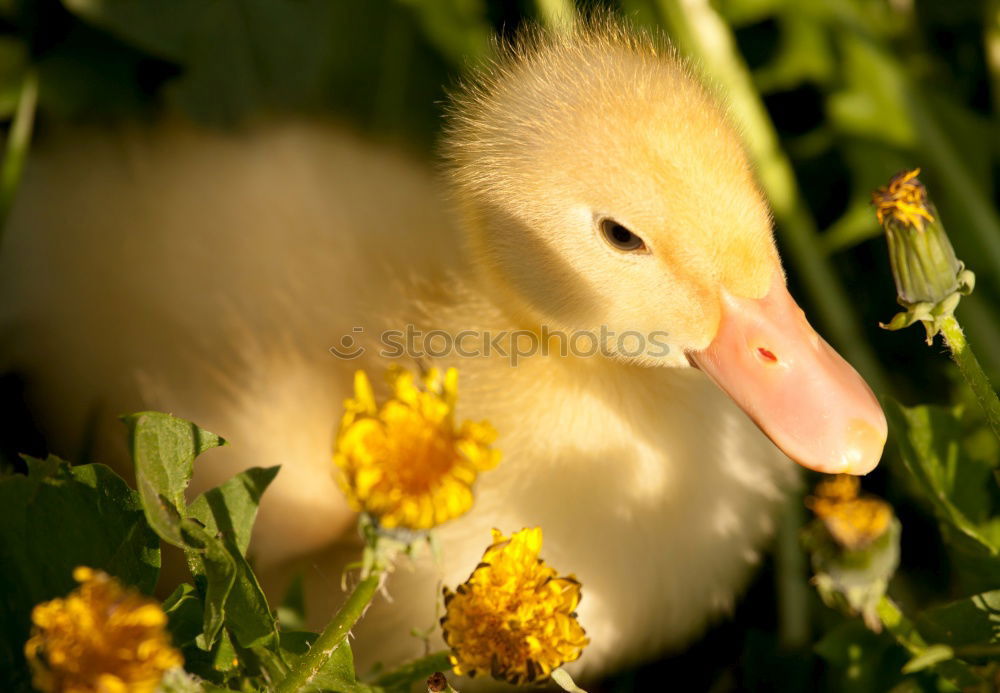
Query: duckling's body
[[209, 275]]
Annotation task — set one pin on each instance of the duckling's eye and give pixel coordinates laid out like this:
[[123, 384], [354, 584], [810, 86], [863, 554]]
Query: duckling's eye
[[619, 237]]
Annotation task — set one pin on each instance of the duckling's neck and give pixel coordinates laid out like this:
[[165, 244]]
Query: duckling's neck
[[482, 276]]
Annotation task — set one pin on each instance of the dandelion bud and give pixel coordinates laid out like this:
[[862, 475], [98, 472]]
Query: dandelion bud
[[930, 280]]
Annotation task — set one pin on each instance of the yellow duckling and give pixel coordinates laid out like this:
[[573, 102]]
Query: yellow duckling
[[592, 184]]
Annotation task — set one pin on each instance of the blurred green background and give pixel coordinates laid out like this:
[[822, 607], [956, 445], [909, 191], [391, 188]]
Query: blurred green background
[[835, 96]]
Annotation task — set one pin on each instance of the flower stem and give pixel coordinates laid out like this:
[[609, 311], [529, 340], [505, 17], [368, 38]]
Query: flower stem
[[973, 373], [790, 582], [333, 636], [414, 670], [906, 634]]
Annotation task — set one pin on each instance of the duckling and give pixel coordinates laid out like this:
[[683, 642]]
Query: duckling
[[592, 186]]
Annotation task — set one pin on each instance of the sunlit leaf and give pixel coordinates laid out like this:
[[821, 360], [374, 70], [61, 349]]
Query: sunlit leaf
[[929, 441], [973, 621], [163, 450], [230, 509]]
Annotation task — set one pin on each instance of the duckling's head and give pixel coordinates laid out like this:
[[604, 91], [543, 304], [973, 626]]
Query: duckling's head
[[604, 189]]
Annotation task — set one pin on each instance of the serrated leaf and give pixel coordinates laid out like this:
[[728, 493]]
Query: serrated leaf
[[929, 438], [230, 509], [227, 513], [52, 520], [971, 621], [209, 558], [163, 450]]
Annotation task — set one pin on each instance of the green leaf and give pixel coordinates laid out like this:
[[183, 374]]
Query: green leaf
[[52, 520], [209, 558], [874, 102], [967, 622], [184, 609], [248, 616], [804, 55], [458, 28], [163, 450], [955, 671], [227, 513], [861, 660], [929, 441], [935, 654], [230, 509], [292, 612]]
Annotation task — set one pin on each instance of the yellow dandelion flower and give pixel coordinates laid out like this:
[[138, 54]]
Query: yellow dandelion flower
[[853, 521], [514, 618], [406, 463], [904, 199], [101, 638]]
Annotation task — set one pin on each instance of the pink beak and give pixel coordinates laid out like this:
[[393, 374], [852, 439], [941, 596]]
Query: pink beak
[[807, 399]]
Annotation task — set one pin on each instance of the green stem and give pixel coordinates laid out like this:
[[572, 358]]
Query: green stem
[[415, 670], [791, 581], [900, 627], [973, 373], [976, 650], [333, 636], [701, 34], [18, 141], [907, 635]]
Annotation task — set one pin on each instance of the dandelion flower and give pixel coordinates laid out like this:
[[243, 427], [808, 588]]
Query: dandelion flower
[[406, 463], [514, 618], [101, 638], [903, 200], [854, 521]]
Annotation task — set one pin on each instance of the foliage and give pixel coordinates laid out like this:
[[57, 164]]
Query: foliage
[[57, 517]]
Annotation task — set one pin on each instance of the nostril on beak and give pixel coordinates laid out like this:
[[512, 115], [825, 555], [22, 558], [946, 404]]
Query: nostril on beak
[[766, 355]]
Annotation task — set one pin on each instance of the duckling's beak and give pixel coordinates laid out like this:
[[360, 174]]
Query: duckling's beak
[[801, 393]]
